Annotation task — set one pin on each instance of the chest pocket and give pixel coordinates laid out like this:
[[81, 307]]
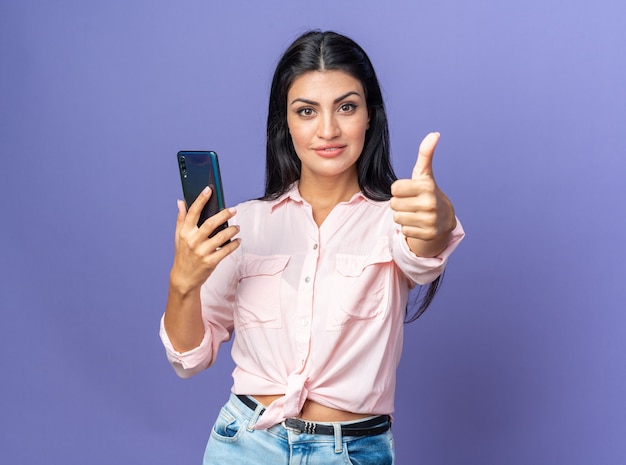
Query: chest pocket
[[258, 293], [361, 286]]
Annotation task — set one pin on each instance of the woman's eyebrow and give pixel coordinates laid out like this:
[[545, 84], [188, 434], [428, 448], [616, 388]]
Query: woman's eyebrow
[[304, 100], [346, 95], [337, 100]]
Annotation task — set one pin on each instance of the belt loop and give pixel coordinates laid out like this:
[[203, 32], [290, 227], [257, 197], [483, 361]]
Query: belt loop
[[255, 416], [338, 438]]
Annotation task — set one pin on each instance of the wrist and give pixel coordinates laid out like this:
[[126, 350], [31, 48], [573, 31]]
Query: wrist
[[181, 287], [428, 248]]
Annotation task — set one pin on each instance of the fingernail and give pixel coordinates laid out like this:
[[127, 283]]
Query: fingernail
[[206, 190], [232, 210]]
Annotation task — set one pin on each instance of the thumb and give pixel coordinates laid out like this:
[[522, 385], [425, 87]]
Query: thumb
[[424, 164], [182, 213]]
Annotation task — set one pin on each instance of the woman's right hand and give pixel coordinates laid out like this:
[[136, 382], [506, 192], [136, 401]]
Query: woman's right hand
[[196, 254], [196, 257]]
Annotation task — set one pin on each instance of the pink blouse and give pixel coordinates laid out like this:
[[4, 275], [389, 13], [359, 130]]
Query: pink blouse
[[317, 311]]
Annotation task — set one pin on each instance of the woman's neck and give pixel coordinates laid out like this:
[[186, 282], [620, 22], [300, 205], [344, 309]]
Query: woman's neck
[[324, 194]]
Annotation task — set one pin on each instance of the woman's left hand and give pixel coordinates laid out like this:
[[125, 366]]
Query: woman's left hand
[[421, 208]]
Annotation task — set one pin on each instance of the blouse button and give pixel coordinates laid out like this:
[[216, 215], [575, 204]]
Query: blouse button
[[314, 246], [307, 279]]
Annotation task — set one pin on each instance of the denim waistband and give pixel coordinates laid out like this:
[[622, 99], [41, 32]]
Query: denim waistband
[[366, 427]]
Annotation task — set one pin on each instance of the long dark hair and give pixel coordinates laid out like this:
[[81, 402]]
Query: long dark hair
[[319, 51]]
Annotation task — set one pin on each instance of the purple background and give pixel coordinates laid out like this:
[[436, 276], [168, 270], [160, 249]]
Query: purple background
[[522, 358]]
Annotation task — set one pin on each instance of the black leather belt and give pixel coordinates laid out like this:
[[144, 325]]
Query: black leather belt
[[370, 427]]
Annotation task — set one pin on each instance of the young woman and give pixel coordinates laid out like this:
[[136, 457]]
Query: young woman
[[315, 282]]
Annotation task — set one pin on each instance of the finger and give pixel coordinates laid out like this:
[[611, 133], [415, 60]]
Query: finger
[[215, 221], [182, 213], [424, 164], [425, 220], [228, 248], [219, 253], [194, 210], [422, 203], [413, 187], [220, 240], [418, 232]]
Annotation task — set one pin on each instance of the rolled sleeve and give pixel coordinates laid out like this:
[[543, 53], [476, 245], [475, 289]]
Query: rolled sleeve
[[187, 364], [422, 270], [217, 297]]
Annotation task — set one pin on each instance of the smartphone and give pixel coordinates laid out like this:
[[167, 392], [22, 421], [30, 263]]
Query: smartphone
[[197, 170]]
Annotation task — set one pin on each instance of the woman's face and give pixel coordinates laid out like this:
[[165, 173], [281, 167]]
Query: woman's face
[[327, 118]]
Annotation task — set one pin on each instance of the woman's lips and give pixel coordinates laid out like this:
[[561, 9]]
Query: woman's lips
[[330, 151]]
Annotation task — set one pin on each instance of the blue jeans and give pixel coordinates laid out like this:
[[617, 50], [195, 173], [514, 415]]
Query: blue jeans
[[233, 441]]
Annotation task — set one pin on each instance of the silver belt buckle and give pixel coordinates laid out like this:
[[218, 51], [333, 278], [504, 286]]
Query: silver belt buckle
[[290, 428], [309, 427]]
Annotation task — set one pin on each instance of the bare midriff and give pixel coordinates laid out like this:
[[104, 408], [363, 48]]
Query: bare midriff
[[312, 411]]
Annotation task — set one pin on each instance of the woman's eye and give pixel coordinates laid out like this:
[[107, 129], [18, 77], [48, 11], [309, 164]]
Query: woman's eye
[[346, 107], [305, 111]]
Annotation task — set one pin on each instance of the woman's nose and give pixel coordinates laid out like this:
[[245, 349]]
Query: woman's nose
[[328, 127]]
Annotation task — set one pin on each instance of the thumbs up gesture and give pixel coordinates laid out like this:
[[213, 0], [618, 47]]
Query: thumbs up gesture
[[421, 208]]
